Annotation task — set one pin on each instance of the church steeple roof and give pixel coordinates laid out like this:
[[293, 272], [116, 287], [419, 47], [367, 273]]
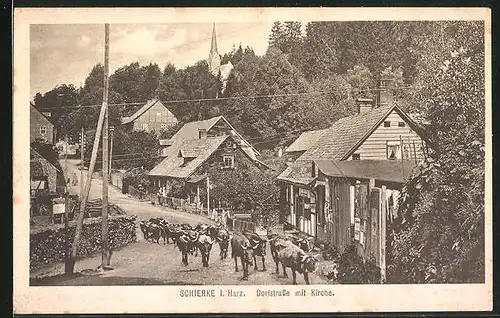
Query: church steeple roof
[[214, 57], [213, 46]]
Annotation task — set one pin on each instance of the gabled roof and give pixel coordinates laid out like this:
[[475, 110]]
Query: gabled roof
[[173, 166], [142, 110], [382, 170], [299, 172], [305, 140], [340, 140], [34, 109], [36, 164], [190, 131]]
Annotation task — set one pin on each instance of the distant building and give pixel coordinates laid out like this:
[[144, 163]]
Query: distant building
[[40, 126], [153, 116], [214, 62]]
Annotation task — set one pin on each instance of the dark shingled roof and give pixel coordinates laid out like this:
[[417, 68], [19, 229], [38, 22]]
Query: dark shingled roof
[[197, 149], [340, 140], [305, 140], [345, 133], [382, 170]]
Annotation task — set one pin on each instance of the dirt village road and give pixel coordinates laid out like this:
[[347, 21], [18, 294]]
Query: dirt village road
[[146, 263]]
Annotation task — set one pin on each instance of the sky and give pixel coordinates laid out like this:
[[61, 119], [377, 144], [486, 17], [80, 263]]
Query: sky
[[65, 53]]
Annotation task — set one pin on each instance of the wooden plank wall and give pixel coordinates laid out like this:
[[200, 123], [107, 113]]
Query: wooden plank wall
[[341, 226], [374, 147]]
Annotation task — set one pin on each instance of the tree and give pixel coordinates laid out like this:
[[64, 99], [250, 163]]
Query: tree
[[57, 101], [441, 231]]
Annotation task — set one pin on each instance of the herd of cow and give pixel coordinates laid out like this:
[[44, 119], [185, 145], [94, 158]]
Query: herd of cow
[[288, 250]]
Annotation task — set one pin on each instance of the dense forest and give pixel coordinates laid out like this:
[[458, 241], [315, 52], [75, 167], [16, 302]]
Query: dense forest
[[320, 73]]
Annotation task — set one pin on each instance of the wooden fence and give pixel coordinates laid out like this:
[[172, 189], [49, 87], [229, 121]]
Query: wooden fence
[[239, 225]]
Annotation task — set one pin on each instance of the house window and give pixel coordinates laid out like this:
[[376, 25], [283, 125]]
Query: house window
[[145, 127], [163, 126], [401, 124], [387, 124], [356, 156], [393, 150], [43, 130], [228, 161]]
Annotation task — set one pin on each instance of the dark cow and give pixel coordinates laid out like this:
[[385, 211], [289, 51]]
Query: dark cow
[[223, 239], [202, 228], [258, 245], [144, 226], [186, 244], [240, 247], [276, 242], [172, 232], [298, 261], [186, 227], [301, 242], [204, 244], [155, 232]]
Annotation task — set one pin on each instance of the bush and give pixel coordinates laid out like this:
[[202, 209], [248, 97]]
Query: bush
[[353, 270], [47, 244]]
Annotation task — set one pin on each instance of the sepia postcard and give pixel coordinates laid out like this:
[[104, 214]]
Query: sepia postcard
[[260, 160]]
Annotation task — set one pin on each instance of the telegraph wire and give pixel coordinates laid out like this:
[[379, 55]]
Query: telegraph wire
[[230, 98]]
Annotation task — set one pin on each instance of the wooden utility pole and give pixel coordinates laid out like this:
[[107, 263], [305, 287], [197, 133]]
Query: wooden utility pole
[[67, 253], [111, 132], [402, 159], [88, 183], [105, 151], [82, 158], [208, 195]]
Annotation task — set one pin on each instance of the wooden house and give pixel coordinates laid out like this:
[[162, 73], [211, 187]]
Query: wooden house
[[41, 128], [383, 133], [153, 116], [44, 176], [195, 147]]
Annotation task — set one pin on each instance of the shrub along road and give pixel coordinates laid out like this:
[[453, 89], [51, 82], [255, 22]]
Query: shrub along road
[[146, 263]]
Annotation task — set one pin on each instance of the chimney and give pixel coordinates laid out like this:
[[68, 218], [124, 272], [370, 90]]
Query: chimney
[[385, 93], [364, 105], [202, 133]]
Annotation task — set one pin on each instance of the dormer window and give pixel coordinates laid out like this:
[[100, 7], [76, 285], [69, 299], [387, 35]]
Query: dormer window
[[228, 162]]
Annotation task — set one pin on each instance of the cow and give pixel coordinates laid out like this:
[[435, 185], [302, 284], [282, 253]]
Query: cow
[[172, 231], [223, 239], [186, 243], [144, 226], [276, 242], [298, 261], [259, 248], [202, 228], [155, 231], [186, 227], [204, 244], [240, 247], [301, 242]]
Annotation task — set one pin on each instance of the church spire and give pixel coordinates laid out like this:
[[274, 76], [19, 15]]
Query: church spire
[[214, 57], [213, 47]]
